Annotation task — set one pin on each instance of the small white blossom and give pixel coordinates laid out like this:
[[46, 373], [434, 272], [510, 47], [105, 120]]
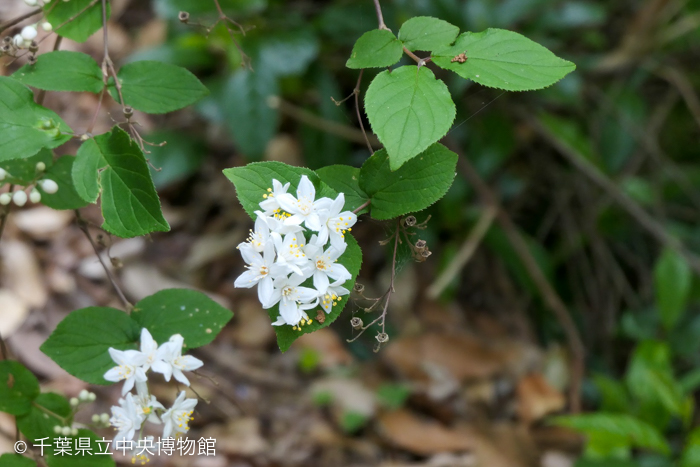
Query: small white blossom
[[334, 223], [293, 300], [332, 295], [258, 237], [19, 198], [325, 265], [270, 205], [129, 368], [291, 257], [146, 403], [305, 207], [125, 419], [177, 418], [261, 270], [48, 186], [149, 349], [171, 362]]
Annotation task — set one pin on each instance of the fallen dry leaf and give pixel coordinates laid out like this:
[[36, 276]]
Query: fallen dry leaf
[[14, 312], [41, 222], [239, 437], [328, 346], [22, 274], [251, 327], [536, 398]]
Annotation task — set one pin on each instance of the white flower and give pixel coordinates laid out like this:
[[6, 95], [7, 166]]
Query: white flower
[[126, 419], [291, 257], [276, 223], [325, 265], [171, 362], [130, 368], [146, 403], [334, 224], [149, 349], [304, 208], [293, 300], [258, 237], [261, 270], [177, 418], [270, 205], [332, 295]]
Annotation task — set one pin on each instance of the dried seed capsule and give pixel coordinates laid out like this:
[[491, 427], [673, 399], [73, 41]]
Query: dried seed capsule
[[359, 288], [184, 17], [356, 323], [382, 337], [410, 221], [128, 112]]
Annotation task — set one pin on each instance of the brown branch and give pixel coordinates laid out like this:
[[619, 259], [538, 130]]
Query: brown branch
[[362, 206], [8, 24], [356, 91], [245, 60], [82, 223], [380, 17], [549, 295]]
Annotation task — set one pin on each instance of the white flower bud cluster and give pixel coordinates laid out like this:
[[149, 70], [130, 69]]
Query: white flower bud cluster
[[20, 197], [280, 258], [134, 409]]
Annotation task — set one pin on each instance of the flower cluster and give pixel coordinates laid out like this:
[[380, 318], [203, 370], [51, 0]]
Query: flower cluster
[[19, 197], [280, 258], [132, 368]]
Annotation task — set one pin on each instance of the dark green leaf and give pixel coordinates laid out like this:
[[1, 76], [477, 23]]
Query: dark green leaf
[[273, 52], [409, 110], [114, 164], [427, 33], [503, 59], [23, 171], [80, 342], [157, 87], [419, 183], [16, 460], [180, 157], [25, 126], [77, 19], [672, 278], [62, 71], [18, 388], [614, 395], [345, 179], [39, 423], [66, 197], [190, 313], [378, 48]]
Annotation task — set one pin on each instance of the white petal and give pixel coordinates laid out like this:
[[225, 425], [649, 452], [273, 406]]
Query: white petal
[[306, 294], [306, 189], [265, 290], [287, 202], [337, 205], [290, 312], [250, 256], [321, 281], [178, 375], [339, 272], [189, 363], [247, 280]]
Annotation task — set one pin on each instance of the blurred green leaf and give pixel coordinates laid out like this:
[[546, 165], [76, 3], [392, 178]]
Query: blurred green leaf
[[615, 398], [672, 279], [171, 8], [16, 460], [39, 423], [691, 451], [180, 157], [18, 388], [352, 422], [378, 48], [76, 20], [393, 396]]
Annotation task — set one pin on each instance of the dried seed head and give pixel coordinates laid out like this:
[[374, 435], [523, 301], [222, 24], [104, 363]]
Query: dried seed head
[[116, 263], [321, 316], [6, 49], [128, 112], [382, 337], [32, 59], [425, 253], [421, 246], [356, 323], [7, 40], [184, 17], [359, 288], [409, 221], [33, 47]]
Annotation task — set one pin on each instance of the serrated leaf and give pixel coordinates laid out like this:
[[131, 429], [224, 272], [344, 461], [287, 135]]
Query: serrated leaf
[[80, 342], [630, 431], [198, 318], [18, 388], [253, 180], [113, 164], [77, 19], [157, 87], [21, 123], [375, 49], [672, 279], [427, 33], [66, 197], [345, 179], [409, 109], [23, 171], [248, 115], [39, 423], [352, 260], [503, 59], [62, 71], [16, 460], [419, 183], [84, 460]]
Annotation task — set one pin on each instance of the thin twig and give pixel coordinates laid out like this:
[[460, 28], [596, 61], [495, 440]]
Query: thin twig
[[82, 223], [362, 206], [380, 17], [96, 113], [464, 254], [245, 60], [19, 19], [356, 91], [549, 295]]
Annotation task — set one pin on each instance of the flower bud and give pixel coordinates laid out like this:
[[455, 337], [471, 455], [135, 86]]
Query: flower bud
[[35, 196], [95, 418], [57, 429], [46, 26], [92, 396], [18, 40], [105, 418], [84, 394], [356, 323], [3, 174], [19, 198], [74, 401], [74, 432], [30, 2], [40, 166], [65, 431], [49, 186], [5, 199], [28, 33]]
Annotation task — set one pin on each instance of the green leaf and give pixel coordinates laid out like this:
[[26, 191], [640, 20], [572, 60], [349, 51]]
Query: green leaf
[[273, 51], [503, 59], [66, 197], [25, 126], [23, 171], [393, 396], [180, 157], [614, 395], [345, 179], [691, 451], [250, 118], [378, 48], [352, 260], [39, 423], [80, 342], [157, 87], [427, 33], [253, 180], [16, 460], [690, 382], [62, 71], [18, 388], [625, 429], [82, 460], [114, 164], [672, 279], [198, 318], [416, 185], [77, 19], [409, 110]]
